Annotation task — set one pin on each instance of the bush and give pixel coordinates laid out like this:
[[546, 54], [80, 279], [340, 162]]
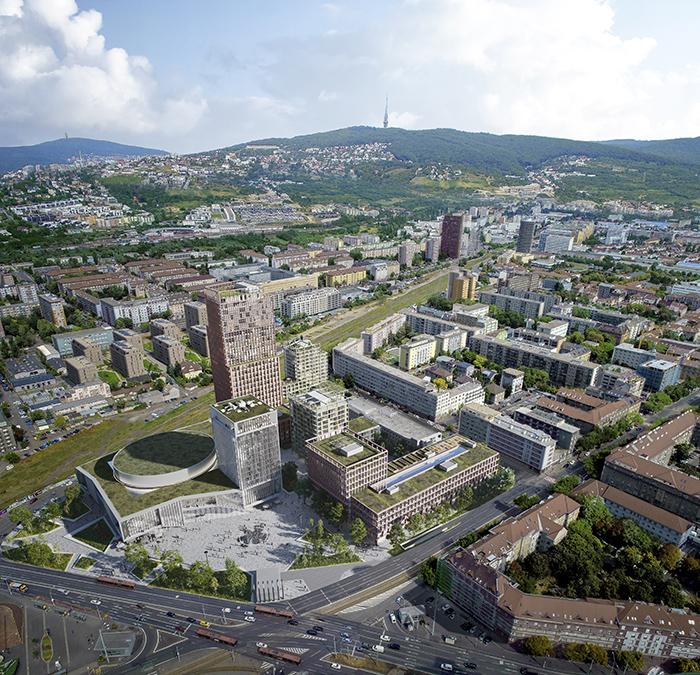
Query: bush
[[538, 645]]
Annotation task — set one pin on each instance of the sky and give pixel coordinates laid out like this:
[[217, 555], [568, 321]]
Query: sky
[[188, 76]]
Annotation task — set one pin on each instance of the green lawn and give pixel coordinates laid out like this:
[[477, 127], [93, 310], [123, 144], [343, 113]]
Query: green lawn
[[110, 377], [59, 461], [85, 562], [327, 339], [163, 453], [98, 535]]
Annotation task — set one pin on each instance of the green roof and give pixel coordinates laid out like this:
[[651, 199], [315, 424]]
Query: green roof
[[359, 424], [163, 453], [378, 501], [238, 415], [330, 446], [127, 503]]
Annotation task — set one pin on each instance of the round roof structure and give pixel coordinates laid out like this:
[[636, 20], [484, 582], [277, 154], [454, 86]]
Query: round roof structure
[[164, 459]]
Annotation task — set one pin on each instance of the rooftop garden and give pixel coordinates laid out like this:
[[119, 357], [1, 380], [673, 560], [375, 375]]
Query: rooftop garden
[[331, 447], [239, 415]]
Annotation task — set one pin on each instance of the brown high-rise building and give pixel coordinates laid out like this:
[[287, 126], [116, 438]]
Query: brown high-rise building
[[451, 236], [242, 345]]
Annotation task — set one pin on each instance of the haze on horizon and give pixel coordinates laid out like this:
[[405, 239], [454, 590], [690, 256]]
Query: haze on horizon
[[189, 76]]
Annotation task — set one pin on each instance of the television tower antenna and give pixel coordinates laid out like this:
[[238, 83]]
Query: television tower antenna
[[386, 112]]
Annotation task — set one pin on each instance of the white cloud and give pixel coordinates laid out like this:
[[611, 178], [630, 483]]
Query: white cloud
[[56, 74], [405, 120]]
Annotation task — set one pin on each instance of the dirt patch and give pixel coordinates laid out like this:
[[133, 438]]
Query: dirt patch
[[10, 626]]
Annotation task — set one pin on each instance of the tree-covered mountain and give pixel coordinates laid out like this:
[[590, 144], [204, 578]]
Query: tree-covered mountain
[[62, 150], [488, 153], [685, 150]]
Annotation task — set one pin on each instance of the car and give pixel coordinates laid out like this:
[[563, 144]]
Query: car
[[249, 619], [226, 610], [470, 665], [395, 645], [385, 638], [365, 646], [248, 613], [139, 605], [467, 626], [95, 602], [336, 666], [527, 671], [487, 639], [191, 619], [344, 635], [319, 629], [204, 623], [293, 622], [392, 617], [447, 667], [179, 629], [311, 631], [171, 614], [260, 644], [348, 640]]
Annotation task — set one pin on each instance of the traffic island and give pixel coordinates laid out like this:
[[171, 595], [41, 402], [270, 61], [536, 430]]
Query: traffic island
[[372, 665], [46, 648]]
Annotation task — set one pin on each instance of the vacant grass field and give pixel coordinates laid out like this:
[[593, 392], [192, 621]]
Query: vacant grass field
[[334, 333], [98, 535], [59, 461]]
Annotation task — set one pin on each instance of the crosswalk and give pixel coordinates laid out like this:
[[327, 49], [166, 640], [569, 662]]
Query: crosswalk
[[304, 636], [296, 650]]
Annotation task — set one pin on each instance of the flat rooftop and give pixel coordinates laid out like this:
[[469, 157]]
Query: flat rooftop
[[417, 471], [163, 453], [243, 408], [332, 447], [392, 419], [127, 502]]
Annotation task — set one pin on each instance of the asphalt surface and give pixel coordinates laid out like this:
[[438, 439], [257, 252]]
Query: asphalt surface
[[147, 607]]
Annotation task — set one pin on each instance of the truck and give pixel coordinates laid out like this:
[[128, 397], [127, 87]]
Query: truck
[[17, 586]]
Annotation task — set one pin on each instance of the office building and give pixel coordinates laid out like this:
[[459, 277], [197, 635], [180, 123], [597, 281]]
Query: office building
[[80, 370], [451, 235], [562, 369], [566, 435], [461, 285], [7, 437], [165, 328], [310, 303], [418, 351], [526, 234], [247, 446], [168, 350], [127, 359], [555, 241], [660, 524], [519, 441], [420, 481], [51, 308], [305, 367], [319, 413], [242, 345], [195, 314], [197, 336], [87, 348], [659, 374]]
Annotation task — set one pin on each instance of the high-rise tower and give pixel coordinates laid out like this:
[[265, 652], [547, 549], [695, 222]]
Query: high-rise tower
[[526, 234], [386, 113], [451, 235], [242, 345]]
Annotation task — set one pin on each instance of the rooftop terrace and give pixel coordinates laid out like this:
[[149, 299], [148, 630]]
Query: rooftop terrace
[[332, 447], [239, 409]]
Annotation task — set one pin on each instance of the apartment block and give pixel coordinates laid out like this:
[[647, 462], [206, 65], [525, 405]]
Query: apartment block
[[311, 303], [631, 357], [587, 419], [512, 380], [377, 335], [406, 252], [305, 365], [461, 285], [530, 309], [566, 435], [421, 322], [519, 441], [80, 370], [101, 336], [137, 311], [345, 277], [87, 348], [197, 336], [128, 335], [51, 308], [659, 374], [246, 440], [195, 314], [619, 381], [168, 350], [127, 359], [474, 421], [451, 235], [165, 328], [562, 369], [451, 341], [418, 351], [319, 413]]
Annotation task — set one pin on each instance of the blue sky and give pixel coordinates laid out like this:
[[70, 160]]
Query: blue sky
[[189, 76]]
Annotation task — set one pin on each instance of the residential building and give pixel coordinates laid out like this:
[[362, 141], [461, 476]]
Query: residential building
[[659, 374], [345, 277], [587, 419], [419, 350], [51, 308], [242, 345], [305, 366], [519, 441], [168, 350], [377, 335], [311, 303], [137, 311], [627, 355], [562, 369], [512, 380], [165, 328], [451, 235], [247, 446], [80, 370], [566, 435], [344, 463], [530, 309], [450, 341], [382, 270], [406, 252], [195, 314], [102, 336], [461, 285], [526, 234], [319, 413], [197, 336], [127, 359], [474, 421], [130, 336], [618, 381], [663, 525], [87, 348], [555, 241], [556, 327], [432, 248], [420, 481]]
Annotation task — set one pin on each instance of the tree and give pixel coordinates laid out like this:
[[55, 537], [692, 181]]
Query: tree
[[687, 666], [669, 556], [289, 476], [319, 533], [536, 378], [60, 422], [396, 535], [428, 571], [586, 653], [201, 578], [566, 484], [12, 457], [349, 381], [21, 515], [538, 645], [358, 531], [138, 556], [336, 513], [440, 383], [416, 523], [465, 498], [171, 561]]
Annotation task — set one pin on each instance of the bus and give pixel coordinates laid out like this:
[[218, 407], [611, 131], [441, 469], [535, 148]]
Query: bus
[[272, 611], [217, 637], [113, 581], [281, 655]]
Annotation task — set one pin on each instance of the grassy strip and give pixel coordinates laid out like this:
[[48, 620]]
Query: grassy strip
[[98, 535], [46, 648], [85, 562], [325, 560], [59, 461]]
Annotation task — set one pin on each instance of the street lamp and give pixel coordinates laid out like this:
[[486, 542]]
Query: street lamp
[[206, 555]]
